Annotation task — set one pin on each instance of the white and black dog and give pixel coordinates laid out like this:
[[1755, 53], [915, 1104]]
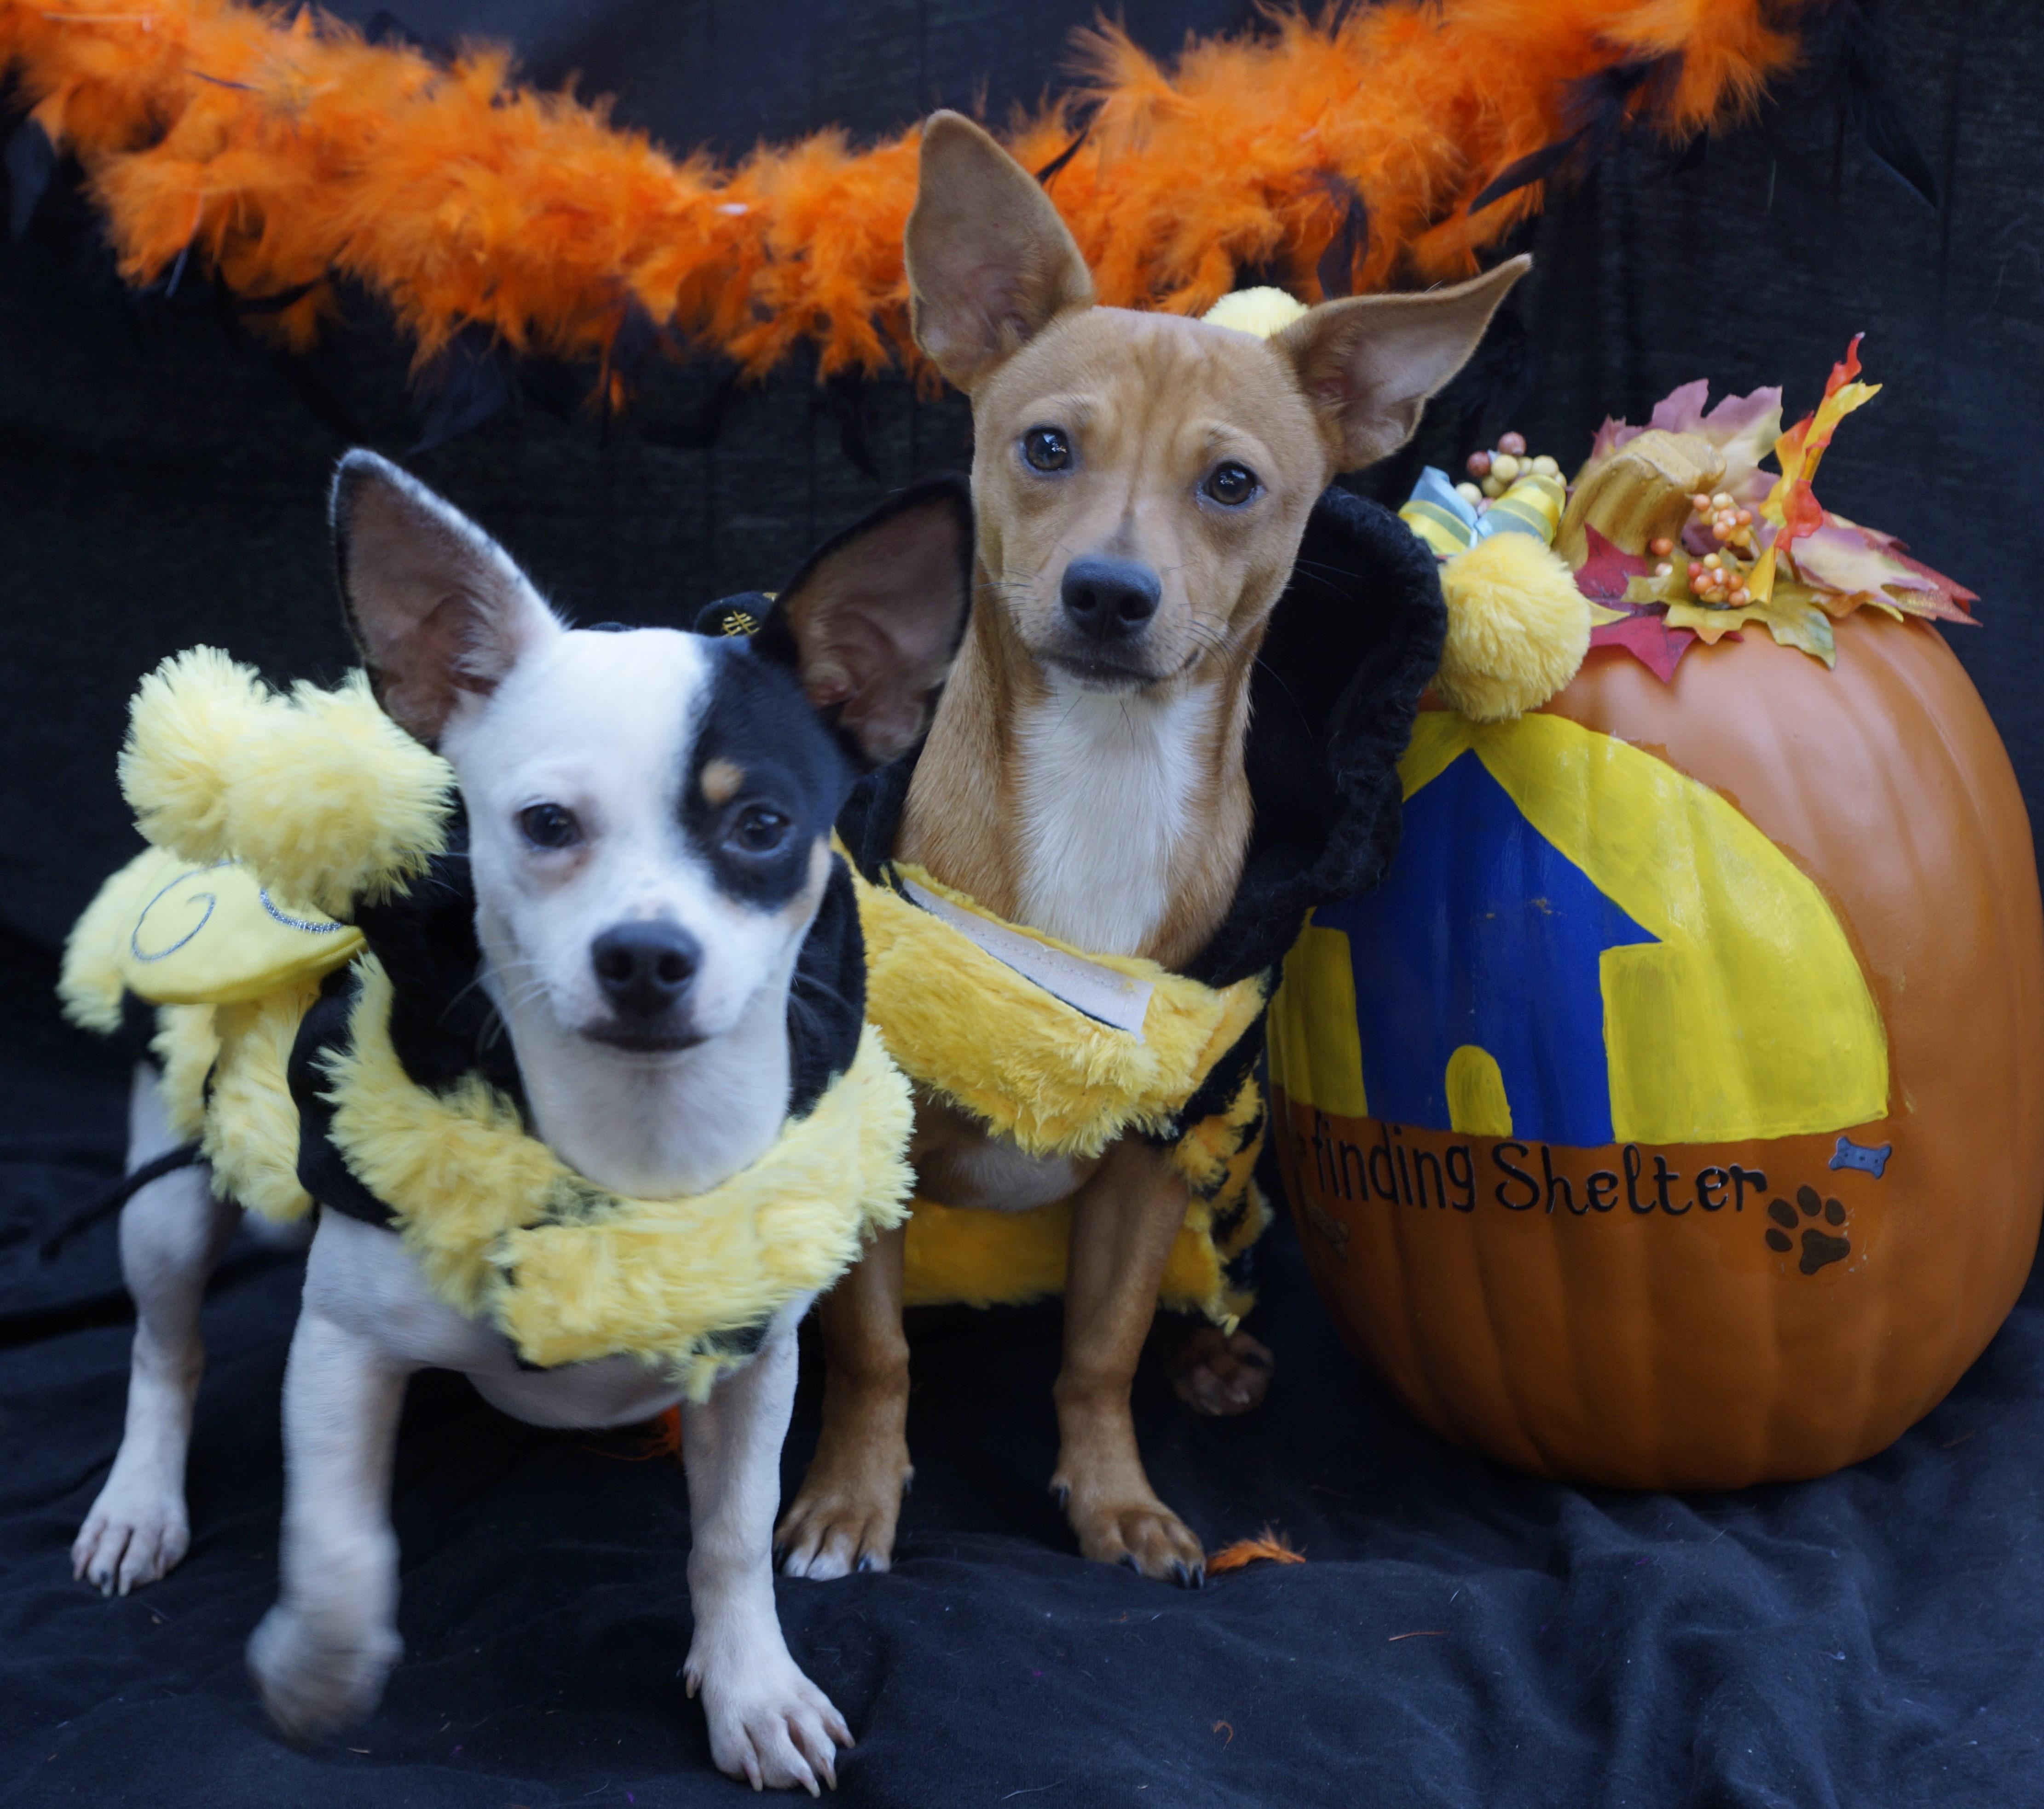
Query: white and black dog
[[649, 815]]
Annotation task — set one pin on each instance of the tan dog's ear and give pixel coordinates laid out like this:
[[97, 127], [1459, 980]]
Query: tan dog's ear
[[870, 624], [438, 609], [1368, 365], [990, 262]]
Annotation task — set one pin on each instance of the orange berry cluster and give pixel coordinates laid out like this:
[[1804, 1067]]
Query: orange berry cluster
[[1716, 579], [1730, 525]]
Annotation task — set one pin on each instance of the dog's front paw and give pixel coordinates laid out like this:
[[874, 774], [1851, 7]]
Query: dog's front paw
[[1138, 1531], [136, 1532], [844, 1518], [315, 1676], [768, 1723]]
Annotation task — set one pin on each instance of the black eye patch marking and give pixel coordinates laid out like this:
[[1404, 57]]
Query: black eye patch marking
[[763, 778]]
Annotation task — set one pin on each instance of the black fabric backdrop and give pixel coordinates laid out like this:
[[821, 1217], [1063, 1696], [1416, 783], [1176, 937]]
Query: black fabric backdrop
[[1460, 1635]]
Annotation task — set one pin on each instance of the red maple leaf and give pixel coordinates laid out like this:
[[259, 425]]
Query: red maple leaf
[[1602, 576], [1646, 637]]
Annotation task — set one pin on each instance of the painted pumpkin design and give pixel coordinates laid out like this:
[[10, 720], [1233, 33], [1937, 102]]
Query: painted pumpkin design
[[1673, 1116]]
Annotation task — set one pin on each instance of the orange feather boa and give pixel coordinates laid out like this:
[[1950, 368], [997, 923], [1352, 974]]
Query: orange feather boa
[[284, 152]]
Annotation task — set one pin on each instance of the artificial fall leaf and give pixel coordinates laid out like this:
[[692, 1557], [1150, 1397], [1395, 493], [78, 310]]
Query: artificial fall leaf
[[1796, 625], [1645, 635], [1842, 558], [1792, 506], [1791, 594], [1741, 428], [1846, 556], [1602, 577], [1648, 588]]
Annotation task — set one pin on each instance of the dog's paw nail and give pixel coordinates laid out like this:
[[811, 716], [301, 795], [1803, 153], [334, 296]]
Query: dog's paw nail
[[866, 1561], [1061, 1493], [1199, 1577], [1128, 1558]]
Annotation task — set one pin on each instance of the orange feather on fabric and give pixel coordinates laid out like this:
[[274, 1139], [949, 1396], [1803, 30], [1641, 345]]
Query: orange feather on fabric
[[284, 152]]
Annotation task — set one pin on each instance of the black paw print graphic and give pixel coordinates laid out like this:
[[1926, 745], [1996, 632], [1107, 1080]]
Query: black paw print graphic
[[1819, 1247]]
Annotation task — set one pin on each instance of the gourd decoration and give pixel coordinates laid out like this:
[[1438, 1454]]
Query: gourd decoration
[[1672, 1116]]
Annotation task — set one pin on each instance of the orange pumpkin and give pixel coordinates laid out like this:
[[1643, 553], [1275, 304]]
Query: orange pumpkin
[[1745, 1208]]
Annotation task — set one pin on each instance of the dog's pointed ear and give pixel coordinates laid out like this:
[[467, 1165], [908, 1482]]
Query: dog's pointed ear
[[991, 264], [1369, 364], [871, 623], [439, 610]]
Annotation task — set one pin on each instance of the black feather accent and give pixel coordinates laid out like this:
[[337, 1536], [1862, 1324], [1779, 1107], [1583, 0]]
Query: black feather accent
[[1691, 156], [1595, 113], [556, 385], [468, 383], [1336, 269], [32, 161], [638, 334], [277, 301], [1535, 167], [846, 394], [1048, 174], [635, 335]]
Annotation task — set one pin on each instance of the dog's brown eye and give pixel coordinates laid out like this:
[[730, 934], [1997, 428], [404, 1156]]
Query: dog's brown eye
[[1231, 483], [1046, 449], [759, 830], [549, 825]]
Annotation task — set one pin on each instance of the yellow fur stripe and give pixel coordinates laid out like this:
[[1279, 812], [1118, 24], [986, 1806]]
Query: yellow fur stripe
[[959, 1257], [251, 1122], [1035, 1070], [187, 1044]]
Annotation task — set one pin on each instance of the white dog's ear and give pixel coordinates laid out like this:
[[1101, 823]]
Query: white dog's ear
[[439, 609], [871, 623], [1369, 364], [990, 263]]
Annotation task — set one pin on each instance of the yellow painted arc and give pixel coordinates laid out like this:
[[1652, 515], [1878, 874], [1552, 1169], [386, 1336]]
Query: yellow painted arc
[[1477, 1105], [1316, 1051], [1749, 1016]]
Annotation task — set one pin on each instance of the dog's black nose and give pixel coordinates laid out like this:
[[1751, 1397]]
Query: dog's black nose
[[1110, 599], [645, 969]]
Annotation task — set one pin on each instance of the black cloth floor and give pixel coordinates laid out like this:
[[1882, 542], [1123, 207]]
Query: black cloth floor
[[1459, 1634]]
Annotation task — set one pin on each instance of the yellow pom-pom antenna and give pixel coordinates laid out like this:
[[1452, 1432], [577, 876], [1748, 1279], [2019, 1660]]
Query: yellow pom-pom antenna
[[1262, 312], [1517, 628], [321, 795], [183, 727]]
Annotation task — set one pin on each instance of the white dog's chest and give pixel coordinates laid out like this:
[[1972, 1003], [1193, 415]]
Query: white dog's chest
[[1110, 782]]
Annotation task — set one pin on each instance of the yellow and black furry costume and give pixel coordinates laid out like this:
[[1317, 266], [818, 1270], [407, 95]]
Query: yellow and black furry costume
[[306, 928], [1350, 649]]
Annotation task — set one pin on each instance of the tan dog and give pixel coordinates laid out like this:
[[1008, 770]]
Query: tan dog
[[1141, 483]]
